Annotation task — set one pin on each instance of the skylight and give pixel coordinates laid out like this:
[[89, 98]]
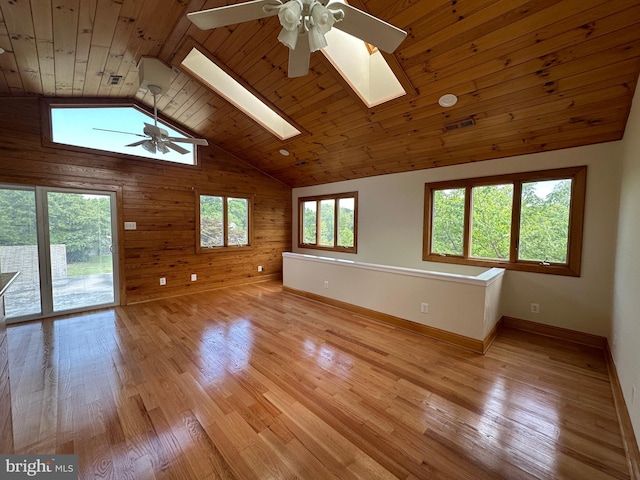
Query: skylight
[[77, 126], [364, 69], [222, 83]]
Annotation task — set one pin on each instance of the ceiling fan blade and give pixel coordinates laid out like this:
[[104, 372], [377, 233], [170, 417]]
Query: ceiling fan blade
[[299, 58], [135, 144], [232, 14], [118, 131], [193, 141], [175, 147], [368, 28]]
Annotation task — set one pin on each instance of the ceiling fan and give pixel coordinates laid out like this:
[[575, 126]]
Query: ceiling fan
[[157, 139], [304, 24]]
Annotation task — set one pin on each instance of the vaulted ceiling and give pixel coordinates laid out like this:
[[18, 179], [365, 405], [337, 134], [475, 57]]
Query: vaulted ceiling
[[534, 75]]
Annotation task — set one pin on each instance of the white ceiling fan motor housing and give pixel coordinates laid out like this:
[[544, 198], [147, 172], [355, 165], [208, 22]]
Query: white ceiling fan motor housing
[[152, 71]]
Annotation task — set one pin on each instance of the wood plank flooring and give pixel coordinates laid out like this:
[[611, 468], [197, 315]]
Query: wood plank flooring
[[253, 383]]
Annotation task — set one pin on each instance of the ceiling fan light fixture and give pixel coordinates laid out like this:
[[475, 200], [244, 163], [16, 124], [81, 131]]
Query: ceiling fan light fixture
[[162, 147], [290, 14], [149, 146], [323, 18], [289, 38], [317, 40]]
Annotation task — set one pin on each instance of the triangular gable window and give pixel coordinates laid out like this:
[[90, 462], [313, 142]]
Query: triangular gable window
[[88, 127]]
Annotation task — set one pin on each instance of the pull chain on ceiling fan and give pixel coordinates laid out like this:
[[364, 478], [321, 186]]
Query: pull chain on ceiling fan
[[304, 25]]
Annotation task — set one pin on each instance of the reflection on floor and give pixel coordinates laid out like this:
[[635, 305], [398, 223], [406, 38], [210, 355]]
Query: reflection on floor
[[252, 383]]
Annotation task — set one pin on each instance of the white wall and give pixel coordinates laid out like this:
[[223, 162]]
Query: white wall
[[625, 335], [390, 218], [400, 291]]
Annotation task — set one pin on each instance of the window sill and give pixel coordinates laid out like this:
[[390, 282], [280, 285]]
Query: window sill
[[522, 266], [328, 249]]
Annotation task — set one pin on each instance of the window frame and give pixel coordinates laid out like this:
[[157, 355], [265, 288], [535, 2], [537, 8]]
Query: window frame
[[47, 129], [225, 224], [578, 175], [319, 198]]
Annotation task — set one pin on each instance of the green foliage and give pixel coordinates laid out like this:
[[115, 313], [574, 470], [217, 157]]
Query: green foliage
[[327, 222], [17, 218], [345, 224], [346, 232], [491, 217], [309, 226], [544, 221], [81, 222], [238, 223], [212, 221], [448, 221]]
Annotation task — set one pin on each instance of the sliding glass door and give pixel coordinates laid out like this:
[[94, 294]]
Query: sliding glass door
[[62, 243], [19, 251]]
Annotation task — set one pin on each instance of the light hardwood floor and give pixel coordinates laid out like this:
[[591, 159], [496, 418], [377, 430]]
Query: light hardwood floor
[[253, 383]]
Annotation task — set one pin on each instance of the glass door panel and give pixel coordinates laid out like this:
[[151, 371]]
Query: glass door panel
[[80, 239], [19, 250]]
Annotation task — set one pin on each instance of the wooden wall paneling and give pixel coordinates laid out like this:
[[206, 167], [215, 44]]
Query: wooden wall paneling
[[498, 56], [160, 198]]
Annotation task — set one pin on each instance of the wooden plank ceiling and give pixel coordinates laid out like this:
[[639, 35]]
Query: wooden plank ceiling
[[535, 75]]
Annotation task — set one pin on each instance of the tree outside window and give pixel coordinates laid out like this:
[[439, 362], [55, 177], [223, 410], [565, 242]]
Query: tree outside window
[[329, 222], [223, 221], [529, 221]]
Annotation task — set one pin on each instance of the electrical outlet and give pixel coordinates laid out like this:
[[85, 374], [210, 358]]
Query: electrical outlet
[[194, 277], [163, 281], [633, 394], [535, 308], [326, 284], [260, 268], [424, 307]]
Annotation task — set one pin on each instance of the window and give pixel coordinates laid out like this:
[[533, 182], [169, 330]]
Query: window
[[329, 222], [529, 221], [112, 128], [223, 221], [222, 83], [363, 67]]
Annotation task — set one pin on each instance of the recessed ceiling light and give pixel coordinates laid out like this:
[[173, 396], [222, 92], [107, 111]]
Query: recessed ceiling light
[[284, 152], [448, 100]]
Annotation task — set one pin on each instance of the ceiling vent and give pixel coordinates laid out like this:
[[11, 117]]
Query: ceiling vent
[[467, 122], [115, 79]]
